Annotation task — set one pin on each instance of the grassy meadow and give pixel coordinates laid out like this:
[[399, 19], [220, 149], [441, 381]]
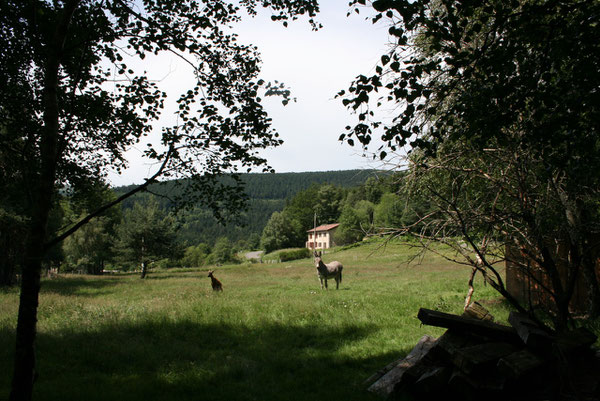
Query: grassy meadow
[[273, 334]]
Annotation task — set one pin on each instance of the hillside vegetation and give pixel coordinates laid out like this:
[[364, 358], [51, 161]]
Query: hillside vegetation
[[267, 193], [149, 231]]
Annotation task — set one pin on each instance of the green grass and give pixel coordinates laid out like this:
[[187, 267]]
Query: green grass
[[273, 334]]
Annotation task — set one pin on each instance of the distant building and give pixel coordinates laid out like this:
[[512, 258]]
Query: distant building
[[321, 237]]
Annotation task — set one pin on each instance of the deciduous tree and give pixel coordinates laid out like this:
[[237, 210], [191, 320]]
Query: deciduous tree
[[90, 247], [328, 203], [73, 101], [280, 232], [500, 103], [195, 256], [351, 227], [222, 251]]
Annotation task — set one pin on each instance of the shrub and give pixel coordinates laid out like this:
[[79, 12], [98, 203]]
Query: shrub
[[294, 254], [196, 256]]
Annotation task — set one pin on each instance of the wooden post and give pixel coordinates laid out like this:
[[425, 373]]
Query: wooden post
[[314, 243], [468, 325]]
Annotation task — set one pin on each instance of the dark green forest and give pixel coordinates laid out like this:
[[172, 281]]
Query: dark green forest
[[267, 193]]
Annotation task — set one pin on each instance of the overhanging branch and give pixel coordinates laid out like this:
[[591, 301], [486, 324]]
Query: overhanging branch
[[107, 206]]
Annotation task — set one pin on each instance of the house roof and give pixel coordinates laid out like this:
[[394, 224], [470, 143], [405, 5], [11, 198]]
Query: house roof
[[324, 227]]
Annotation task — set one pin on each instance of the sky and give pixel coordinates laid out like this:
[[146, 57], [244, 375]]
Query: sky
[[315, 66]]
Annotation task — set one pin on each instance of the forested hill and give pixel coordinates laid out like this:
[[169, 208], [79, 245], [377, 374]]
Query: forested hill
[[285, 185], [267, 193]]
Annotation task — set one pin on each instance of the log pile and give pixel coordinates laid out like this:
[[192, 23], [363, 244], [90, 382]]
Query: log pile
[[477, 359]]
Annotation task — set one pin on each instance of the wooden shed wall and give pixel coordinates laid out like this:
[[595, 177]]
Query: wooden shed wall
[[528, 291]]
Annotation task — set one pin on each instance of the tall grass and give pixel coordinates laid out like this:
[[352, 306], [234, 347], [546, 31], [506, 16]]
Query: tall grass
[[273, 334]]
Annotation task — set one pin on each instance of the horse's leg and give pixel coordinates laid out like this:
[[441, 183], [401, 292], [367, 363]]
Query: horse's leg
[[321, 279], [326, 283], [337, 282]]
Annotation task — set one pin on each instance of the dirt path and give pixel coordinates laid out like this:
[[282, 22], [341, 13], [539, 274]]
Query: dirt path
[[253, 255]]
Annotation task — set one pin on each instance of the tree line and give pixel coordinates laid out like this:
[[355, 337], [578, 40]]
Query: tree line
[[147, 230], [372, 208]]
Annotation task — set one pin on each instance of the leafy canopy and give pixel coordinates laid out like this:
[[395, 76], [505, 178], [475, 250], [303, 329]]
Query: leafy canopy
[[107, 103], [479, 70], [498, 102]]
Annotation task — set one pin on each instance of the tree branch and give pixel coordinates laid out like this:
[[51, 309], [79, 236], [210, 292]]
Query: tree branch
[[120, 199]]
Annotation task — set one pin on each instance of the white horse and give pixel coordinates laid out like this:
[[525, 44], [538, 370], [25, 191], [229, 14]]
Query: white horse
[[329, 270]]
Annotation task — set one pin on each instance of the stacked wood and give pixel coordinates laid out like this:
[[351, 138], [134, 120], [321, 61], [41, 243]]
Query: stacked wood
[[477, 359]]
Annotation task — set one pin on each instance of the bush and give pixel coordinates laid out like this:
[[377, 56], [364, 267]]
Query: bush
[[196, 256], [294, 254], [165, 263]]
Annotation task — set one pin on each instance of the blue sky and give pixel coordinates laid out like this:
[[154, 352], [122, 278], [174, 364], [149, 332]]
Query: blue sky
[[315, 65]]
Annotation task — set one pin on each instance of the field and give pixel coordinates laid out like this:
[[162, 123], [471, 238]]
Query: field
[[273, 334]]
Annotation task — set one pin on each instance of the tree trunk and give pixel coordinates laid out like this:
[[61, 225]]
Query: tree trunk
[[143, 270], [143, 252], [560, 294], [591, 280], [24, 366]]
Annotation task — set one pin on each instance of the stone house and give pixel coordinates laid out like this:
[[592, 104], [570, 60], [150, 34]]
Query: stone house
[[321, 237]]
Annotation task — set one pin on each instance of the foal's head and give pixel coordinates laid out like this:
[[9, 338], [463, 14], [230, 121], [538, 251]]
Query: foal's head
[[317, 258]]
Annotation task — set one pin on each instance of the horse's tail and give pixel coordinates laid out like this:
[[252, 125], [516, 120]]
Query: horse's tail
[[340, 276]]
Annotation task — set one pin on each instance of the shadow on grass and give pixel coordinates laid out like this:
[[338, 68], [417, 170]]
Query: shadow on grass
[[182, 275], [75, 285], [189, 361]]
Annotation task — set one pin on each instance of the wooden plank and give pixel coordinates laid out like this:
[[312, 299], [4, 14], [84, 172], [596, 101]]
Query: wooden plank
[[576, 340], [476, 311], [379, 374], [520, 363], [433, 384], [481, 356], [450, 342], [385, 385], [463, 386], [530, 332], [468, 325], [484, 387]]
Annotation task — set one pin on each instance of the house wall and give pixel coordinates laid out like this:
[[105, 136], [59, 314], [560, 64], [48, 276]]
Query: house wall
[[324, 240]]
